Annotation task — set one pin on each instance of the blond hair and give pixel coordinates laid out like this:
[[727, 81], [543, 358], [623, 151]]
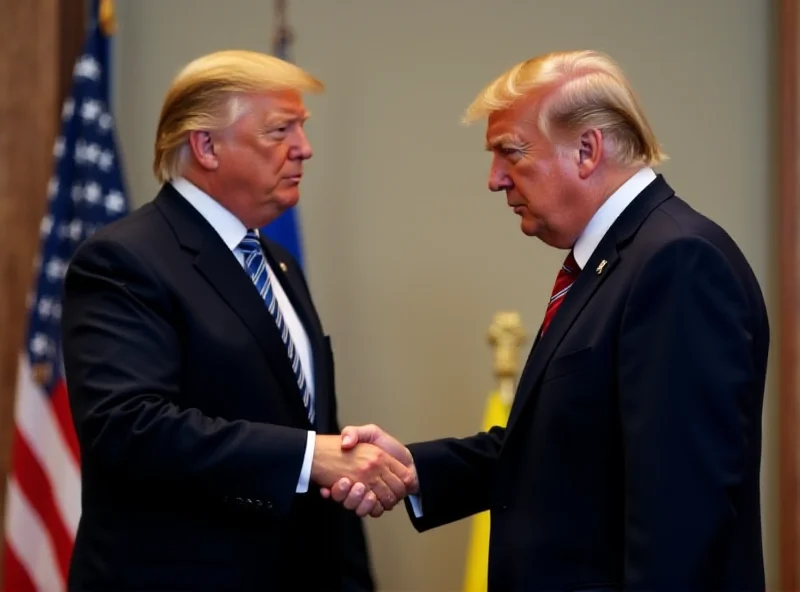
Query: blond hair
[[589, 90], [205, 96]]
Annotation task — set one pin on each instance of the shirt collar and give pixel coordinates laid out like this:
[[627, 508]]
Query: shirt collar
[[608, 213], [229, 227]]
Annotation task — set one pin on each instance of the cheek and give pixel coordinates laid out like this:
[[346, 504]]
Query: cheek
[[528, 183], [280, 158], [271, 156]]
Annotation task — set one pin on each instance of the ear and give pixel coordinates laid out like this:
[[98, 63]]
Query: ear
[[590, 152], [203, 149]]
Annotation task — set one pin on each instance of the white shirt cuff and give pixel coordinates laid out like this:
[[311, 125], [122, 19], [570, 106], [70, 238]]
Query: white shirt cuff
[[305, 472], [416, 505]]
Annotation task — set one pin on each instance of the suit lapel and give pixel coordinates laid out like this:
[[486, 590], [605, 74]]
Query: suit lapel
[[290, 282], [218, 265], [576, 299], [600, 266]]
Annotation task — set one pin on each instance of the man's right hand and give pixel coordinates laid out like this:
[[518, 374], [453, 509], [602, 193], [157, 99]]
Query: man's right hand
[[381, 479], [353, 494]]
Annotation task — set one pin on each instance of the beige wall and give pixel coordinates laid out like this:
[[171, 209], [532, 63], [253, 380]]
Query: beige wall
[[408, 253]]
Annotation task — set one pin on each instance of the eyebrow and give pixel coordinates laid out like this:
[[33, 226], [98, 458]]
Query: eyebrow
[[502, 140], [287, 116]]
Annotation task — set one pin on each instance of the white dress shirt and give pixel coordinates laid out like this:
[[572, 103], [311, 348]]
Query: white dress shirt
[[591, 236], [232, 231], [608, 213]]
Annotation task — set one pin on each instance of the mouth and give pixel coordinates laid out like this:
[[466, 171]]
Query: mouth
[[295, 179]]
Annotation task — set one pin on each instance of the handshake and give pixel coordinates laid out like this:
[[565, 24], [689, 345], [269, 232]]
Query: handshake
[[365, 469]]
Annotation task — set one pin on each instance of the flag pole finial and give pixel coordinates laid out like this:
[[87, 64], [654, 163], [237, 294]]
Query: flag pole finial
[[506, 335], [105, 17]]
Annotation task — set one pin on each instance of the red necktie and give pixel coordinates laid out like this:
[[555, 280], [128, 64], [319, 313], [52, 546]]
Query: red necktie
[[566, 277]]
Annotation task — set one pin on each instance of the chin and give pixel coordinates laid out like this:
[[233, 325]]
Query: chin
[[529, 228], [536, 230], [287, 199]]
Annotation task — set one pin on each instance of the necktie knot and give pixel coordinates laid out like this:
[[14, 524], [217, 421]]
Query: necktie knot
[[250, 243], [570, 265]]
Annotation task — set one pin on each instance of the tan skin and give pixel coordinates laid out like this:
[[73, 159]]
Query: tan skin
[[253, 169], [554, 187]]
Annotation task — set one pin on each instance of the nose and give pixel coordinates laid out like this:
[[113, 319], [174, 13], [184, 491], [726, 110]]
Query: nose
[[499, 179], [301, 150]]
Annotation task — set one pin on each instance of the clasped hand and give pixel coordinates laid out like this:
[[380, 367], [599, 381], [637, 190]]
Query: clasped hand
[[365, 469]]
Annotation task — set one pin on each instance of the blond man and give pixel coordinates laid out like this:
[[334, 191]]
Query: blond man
[[631, 457], [200, 378]]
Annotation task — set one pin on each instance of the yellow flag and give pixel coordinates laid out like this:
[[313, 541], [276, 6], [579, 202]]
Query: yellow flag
[[477, 570]]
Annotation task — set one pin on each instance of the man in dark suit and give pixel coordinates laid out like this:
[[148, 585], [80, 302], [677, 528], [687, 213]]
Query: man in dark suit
[[200, 379], [631, 457]]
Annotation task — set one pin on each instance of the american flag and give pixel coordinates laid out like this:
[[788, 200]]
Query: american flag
[[84, 193]]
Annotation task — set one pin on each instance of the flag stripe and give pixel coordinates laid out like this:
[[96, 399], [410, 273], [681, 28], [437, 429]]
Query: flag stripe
[[33, 548], [35, 486], [15, 575], [64, 418], [36, 420]]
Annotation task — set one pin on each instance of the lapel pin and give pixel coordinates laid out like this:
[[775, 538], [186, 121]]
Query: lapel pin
[[283, 266], [601, 267]]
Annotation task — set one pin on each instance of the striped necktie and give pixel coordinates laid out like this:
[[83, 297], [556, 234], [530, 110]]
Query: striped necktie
[[566, 277], [256, 265]]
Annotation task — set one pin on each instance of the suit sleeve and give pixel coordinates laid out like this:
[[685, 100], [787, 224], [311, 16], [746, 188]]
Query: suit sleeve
[[122, 358], [687, 379], [455, 477]]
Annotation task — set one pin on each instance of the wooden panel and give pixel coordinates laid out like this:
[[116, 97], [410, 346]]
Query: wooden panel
[[789, 290], [72, 34], [28, 112]]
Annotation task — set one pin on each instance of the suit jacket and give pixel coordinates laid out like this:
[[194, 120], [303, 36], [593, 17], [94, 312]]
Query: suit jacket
[[191, 426], [631, 456]]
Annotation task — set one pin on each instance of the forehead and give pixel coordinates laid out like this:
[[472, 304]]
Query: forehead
[[517, 122], [280, 104]]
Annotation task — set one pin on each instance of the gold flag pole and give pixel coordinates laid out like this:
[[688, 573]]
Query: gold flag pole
[[505, 336]]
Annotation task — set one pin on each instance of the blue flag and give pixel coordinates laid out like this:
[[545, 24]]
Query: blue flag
[[285, 230]]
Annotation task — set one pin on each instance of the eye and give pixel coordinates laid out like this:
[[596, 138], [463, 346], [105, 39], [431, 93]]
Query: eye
[[512, 154], [279, 129]]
